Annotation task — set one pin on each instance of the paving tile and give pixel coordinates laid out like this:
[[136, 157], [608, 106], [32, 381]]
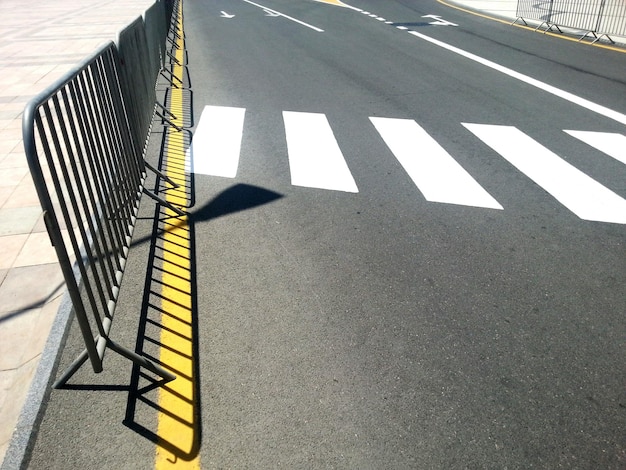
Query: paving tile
[[7, 145], [18, 220], [12, 176], [7, 378], [18, 391], [16, 123], [15, 332], [28, 287], [36, 250], [40, 225], [42, 326], [24, 195], [10, 248], [5, 193]]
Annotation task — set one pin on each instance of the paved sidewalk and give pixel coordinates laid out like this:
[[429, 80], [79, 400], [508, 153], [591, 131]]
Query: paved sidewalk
[[41, 40]]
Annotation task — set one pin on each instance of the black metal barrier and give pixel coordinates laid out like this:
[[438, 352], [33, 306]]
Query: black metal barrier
[[84, 138], [597, 18]]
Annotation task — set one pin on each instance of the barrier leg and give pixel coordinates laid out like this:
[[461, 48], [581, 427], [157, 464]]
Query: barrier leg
[[141, 361], [74, 366]]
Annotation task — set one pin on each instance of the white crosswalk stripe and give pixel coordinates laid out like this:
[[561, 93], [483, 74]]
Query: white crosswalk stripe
[[437, 175], [577, 191], [216, 142], [316, 160], [612, 144]]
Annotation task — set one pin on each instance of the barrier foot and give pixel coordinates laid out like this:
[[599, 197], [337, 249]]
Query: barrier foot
[[596, 37], [160, 174], [141, 361], [163, 202], [71, 370], [603, 36], [519, 18]]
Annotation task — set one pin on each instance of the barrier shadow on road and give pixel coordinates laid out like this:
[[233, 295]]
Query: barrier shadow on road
[[168, 330]]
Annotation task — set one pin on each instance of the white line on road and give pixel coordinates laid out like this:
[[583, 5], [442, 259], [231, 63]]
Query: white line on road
[[612, 144], [606, 112], [216, 142], [315, 160], [437, 175], [580, 193], [315, 28]]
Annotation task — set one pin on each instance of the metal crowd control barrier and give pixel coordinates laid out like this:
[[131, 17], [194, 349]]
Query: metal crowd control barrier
[[84, 146], [597, 18], [139, 73]]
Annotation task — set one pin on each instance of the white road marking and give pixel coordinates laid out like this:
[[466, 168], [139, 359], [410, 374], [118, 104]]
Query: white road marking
[[277, 13], [612, 144], [581, 194], [271, 13], [437, 175], [590, 105], [439, 21], [315, 160], [606, 112], [216, 142]]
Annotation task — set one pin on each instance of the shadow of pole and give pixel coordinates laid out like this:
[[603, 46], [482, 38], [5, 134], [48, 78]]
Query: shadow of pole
[[237, 198], [168, 331], [168, 327]]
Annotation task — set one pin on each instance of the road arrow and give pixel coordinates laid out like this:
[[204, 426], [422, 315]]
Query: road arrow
[[226, 15], [439, 22], [270, 12]]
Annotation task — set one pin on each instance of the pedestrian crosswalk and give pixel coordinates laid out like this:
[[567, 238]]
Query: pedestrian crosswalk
[[438, 176], [218, 134], [580, 193], [316, 160]]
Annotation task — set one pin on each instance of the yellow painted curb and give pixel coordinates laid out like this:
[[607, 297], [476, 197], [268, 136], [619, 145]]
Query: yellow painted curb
[[178, 426]]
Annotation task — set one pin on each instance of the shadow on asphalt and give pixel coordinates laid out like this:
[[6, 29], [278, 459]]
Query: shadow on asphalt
[[172, 269]]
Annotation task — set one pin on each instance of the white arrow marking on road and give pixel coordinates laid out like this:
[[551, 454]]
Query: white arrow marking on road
[[439, 21], [226, 15], [270, 13], [264, 8]]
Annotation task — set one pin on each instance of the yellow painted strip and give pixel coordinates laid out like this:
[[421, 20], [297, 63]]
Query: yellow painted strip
[[178, 426], [530, 28], [334, 2]]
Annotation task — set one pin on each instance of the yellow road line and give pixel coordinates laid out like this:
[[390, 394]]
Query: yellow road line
[[178, 427], [530, 28], [334, 2]]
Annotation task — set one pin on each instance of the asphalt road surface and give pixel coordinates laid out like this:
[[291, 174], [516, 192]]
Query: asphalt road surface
[[406, 249]]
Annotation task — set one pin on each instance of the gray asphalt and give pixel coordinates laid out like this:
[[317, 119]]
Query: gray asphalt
[[376, 329]]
